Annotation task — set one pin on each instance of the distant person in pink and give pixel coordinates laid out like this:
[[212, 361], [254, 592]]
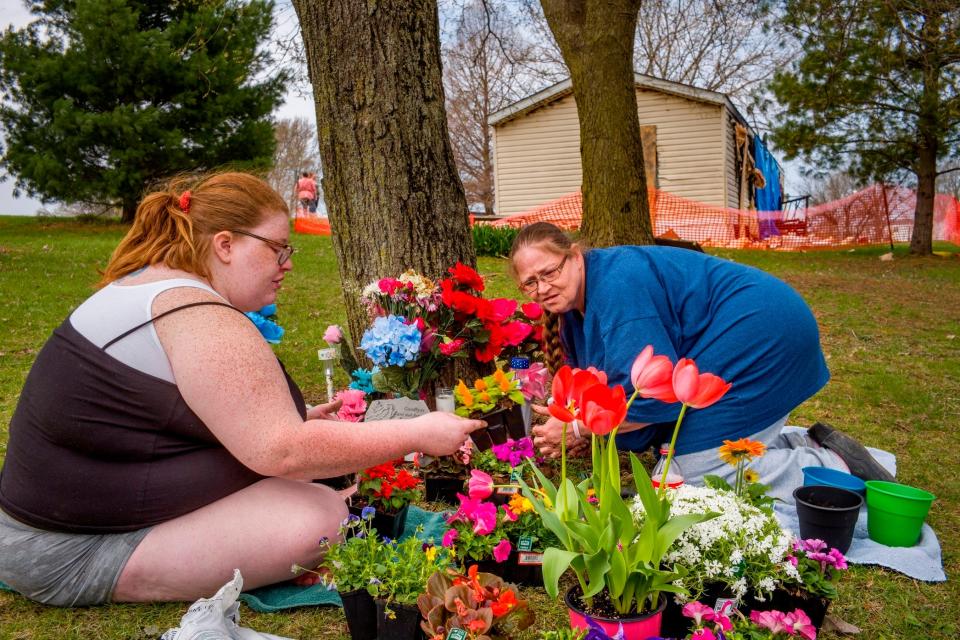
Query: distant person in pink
[[307, 191]]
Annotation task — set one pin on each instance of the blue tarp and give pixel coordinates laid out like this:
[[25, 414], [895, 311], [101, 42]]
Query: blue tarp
[[770, 198]]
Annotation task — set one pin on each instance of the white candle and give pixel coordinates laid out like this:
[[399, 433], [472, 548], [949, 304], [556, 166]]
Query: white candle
[[445, 400]]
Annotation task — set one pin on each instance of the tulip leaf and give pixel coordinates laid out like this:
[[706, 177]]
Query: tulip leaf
[[555, 563], [598, 565]]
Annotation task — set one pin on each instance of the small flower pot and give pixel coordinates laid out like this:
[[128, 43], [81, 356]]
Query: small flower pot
[[526, 568], [501, 425], [635, 627], [833, 478], [403, 624], [442, 488], [361, 613], [895, 512], [828, 513], [386, 524]]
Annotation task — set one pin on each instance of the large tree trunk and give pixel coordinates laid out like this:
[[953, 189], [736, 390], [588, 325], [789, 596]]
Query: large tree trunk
[[128, 211], [921, 241], [393, 194], [596, 39]]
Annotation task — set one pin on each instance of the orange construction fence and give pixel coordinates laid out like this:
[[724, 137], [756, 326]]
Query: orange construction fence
[[877, 214]]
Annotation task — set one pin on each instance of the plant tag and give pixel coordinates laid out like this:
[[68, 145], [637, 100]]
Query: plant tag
[[527, 559], [724, 605], [525, 543], [515, 476], [507, 491], [457, 634]]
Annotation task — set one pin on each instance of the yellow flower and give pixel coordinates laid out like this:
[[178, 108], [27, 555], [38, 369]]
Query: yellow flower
[[519, 504], [464, 395], [734, 451], [751, 476], [431, 553]]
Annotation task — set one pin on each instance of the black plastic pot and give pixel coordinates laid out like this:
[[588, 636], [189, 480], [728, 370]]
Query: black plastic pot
[[442, 488], [386, 524], [361, 613], [339, 482], [404, 625], [676, 625], [828, 513]]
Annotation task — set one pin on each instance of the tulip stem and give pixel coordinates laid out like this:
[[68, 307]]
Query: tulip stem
[[673, 442]]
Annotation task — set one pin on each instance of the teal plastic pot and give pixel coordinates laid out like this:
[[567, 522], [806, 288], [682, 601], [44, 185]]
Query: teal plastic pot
[[895, 512]]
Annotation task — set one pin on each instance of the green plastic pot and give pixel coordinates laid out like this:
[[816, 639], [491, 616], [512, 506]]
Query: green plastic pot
[[895, 512]]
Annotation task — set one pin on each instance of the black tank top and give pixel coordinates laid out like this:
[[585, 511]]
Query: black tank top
[[97, 446]]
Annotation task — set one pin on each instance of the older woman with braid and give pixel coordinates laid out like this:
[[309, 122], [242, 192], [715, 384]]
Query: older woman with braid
[[604, 306], [158, 443]]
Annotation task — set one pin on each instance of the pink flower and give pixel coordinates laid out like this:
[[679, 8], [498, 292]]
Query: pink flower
[[514, 451], [498, 310], [695, 389], [389, 285], [480, 485], [652, 376], [508, 514], [703, 634], [798, 623], [837, 559], [333, 334], [502, 551], [515, 332], [485, 518], [772, 620], [449, 537], [698, 611], [533, 381], [531, 310], [451, 347], [354, 405]]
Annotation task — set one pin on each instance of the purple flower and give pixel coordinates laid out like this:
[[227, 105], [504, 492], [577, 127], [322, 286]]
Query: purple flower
[[596, 632], [514, 451], [367, 513]]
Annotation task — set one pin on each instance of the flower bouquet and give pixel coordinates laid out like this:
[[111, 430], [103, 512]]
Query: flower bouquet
[[388, 489], [480, 604], [618, 562], [497, 399]]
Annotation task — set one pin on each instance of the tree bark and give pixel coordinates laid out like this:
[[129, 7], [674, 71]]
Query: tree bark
[[921, 240], [596, 39], [393, 194], [128, 211]]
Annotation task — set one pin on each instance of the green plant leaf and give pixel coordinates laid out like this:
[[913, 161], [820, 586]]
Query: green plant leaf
[[555, 563]]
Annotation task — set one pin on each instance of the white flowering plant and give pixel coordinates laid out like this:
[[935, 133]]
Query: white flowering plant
[[744, 548]]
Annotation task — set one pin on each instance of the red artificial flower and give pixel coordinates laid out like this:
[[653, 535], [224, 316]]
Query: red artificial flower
[[695, 389], [515, 332], [406, 480], [532, 310], [386, 489], [452, 347], [603, 408], [488, 351], [389, 285], [466, 276], [497, 310], [385, 470], [465, 303], [652, 376]]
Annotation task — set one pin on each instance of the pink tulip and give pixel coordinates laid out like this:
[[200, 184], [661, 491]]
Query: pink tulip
[[695, 389], [480, 485], [502, 551], [333, 334], [652, 376]]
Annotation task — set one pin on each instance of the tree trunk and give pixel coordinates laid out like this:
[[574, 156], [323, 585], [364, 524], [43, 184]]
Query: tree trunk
[[392, 190], [596, 39], [128, 211], [921, 241]]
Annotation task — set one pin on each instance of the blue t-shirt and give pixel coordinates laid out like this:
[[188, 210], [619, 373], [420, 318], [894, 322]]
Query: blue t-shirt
[[734, 321]]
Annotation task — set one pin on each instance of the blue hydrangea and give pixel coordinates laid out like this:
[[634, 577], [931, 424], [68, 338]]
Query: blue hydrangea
[[270, 330], [363, 379], [391, 342]]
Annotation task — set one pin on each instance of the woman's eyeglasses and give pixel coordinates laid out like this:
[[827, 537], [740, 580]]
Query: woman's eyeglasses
[[284, 251], [530, 286]]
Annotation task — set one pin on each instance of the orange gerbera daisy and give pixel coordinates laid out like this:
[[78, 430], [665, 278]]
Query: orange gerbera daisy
[[735, 451]]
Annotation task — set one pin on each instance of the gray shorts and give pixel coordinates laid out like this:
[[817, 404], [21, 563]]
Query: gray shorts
[[63, 569]]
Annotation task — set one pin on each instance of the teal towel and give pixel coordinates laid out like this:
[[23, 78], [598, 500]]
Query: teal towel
[[287, 595]]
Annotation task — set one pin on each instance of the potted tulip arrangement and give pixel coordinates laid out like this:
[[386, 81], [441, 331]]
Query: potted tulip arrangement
[[389, 489], [497, 399], [475, 606], [618, 563]]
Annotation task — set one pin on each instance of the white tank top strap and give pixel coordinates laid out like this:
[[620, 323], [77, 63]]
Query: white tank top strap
[[116, 309]]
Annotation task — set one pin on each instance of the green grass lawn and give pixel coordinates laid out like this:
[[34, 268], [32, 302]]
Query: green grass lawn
[[891, 332]]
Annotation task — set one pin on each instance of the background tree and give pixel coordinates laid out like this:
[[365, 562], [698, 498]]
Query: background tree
[[103, 97], [876, 90], [295, 152], [596, 38], [393, 195]]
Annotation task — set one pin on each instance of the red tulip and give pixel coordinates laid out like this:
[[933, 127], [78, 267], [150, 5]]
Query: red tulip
[[466, 276], [652, 376], [603, 408], [695, 389], [569, 385]]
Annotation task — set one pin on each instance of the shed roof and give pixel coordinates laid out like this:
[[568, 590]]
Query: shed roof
[[563, 88]]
